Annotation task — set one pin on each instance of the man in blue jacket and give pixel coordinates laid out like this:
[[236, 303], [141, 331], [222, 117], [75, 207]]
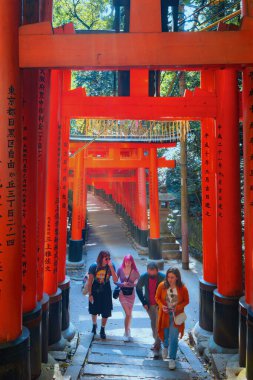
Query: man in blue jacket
[[148, 282]]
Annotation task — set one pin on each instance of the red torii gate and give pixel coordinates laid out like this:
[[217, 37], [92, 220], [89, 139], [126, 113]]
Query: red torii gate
[[223, 52], [115, 160]]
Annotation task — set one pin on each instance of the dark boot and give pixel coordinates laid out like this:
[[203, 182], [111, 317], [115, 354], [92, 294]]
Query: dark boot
[[94, 329], [102, 333]]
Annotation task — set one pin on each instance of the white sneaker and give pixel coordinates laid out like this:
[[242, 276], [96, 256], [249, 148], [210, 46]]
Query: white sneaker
[[172, 364], [130, 338], [165, 353], [125, 338]]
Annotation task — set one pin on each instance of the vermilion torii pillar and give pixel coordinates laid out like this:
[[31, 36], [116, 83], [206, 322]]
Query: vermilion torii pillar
[[229, 258], [44, 79], [32, 311], [84, 203], [209, 215], [76, 241], [14, 343], [154, 242], [52, 214], [68, 330], [142, 209], [246, 304]]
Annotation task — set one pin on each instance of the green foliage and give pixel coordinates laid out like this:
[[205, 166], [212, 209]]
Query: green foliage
[[84, 14], [170, 82], [96, 83]]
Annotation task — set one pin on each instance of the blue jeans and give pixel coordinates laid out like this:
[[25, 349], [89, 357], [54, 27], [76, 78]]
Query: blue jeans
[[171, 338]]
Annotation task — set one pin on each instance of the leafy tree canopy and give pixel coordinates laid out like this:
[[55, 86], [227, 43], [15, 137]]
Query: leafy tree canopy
[[85, 14]]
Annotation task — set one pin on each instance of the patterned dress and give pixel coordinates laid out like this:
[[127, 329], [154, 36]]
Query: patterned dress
[[127, 300], [101, 291]]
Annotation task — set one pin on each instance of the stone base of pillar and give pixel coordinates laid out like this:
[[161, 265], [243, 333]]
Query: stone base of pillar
[[155, 249], [84, 235], [75, 265], [44, 327], [143, 238], [135, 233], [225, 320], [120, 209], [68, 331], [201, 338], [215, 348], [249, 345], [55, 317], [75, 250], [243, 311], [206, 304], [15, 358], [65, 287], [32, 321]]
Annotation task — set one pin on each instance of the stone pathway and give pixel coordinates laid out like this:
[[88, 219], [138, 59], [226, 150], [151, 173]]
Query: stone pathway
[[113, 359]]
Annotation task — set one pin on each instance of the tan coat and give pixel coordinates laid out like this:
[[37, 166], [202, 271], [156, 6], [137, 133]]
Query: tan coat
[[163, 318]]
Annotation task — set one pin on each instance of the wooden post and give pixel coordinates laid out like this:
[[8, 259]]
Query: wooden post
[[76, 241], [52, 214], [154, 242], [209, 214], [229, 258], [14, 344], [246, 305]]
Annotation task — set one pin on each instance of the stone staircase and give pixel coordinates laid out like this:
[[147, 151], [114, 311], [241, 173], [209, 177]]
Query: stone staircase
[[171, 248]]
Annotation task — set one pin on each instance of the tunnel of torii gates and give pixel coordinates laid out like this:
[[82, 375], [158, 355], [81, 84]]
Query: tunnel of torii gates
[[36, 107]]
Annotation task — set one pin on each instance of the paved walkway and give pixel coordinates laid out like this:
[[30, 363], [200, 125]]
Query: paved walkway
[[114, 359]]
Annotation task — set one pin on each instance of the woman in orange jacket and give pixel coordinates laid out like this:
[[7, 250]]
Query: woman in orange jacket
[[171, 296]]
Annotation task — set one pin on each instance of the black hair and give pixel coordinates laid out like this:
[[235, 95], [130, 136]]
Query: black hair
[[152, 265]]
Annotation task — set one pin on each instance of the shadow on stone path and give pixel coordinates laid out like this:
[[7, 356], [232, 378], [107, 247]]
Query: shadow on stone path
[[114, 359]]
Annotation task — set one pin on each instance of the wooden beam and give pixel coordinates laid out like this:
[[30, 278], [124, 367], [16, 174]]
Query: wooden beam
[[195, 105], [125, 50], [102, 163], [76, 144], [111, 179]]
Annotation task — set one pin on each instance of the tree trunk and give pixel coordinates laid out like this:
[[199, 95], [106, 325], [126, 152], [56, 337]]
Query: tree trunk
[[183, 163]]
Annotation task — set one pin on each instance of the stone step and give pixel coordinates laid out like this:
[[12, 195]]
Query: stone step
[[172, 254], [168, 238], [170, 246]]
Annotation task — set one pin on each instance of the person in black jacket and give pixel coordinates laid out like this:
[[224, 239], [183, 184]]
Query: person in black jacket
[[149, 282]]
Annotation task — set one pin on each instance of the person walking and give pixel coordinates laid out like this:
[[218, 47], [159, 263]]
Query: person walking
[[149, 282], [128, 276], [172, 297], [99, 290]]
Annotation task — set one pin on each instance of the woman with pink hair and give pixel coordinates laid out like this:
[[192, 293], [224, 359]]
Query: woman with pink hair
[[128, 276]]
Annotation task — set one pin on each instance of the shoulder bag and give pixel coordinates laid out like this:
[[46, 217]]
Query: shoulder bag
[[127, 291]]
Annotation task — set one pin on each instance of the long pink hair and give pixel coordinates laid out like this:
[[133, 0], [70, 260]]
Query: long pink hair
[[131, 259]]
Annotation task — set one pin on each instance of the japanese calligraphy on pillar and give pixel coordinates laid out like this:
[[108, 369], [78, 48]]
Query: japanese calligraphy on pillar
[[64, 177], [24, 199], [41, 110], [41, 157], [206, 170], [57, 201], [8, 202], [220, 171], [249, 141]]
